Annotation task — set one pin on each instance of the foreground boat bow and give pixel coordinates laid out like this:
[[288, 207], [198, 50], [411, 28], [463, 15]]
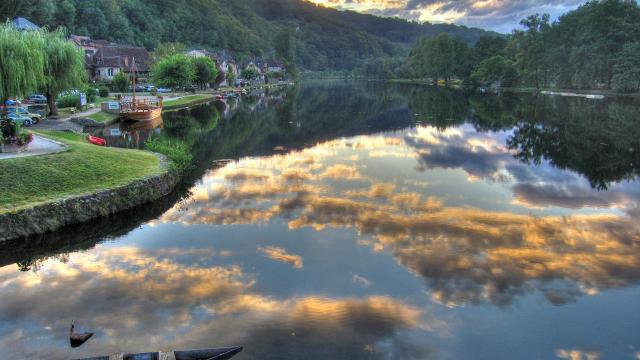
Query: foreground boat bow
[[202, 354]]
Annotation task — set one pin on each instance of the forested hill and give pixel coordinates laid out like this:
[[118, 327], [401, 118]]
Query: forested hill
[[324, 38]]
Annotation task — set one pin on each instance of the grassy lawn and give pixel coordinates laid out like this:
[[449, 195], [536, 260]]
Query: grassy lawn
[[102, 117], [188, 100], [83, 168]]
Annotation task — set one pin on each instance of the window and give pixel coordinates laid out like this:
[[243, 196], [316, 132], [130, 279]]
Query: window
[[110, 72]]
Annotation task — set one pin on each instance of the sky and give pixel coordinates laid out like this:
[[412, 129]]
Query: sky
[[498, 15]]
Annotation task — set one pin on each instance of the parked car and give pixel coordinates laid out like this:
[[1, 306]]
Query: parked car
[[38, 99], [35, 118], [163, 90], [150, 87], [20, 119]]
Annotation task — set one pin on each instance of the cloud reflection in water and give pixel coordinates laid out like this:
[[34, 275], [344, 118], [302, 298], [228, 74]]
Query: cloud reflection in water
[[464, 254]]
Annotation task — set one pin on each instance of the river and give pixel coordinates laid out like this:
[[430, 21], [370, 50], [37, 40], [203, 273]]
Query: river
[[357, 220]]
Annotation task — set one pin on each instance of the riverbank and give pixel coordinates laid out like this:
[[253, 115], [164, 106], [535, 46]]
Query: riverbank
[[45, 193], [524, 89]]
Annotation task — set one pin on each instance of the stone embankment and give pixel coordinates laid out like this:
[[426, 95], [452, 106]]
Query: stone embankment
[[51, 216]]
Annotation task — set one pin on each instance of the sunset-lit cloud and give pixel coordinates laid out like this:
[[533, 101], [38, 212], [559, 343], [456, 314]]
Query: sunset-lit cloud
[[134, 299], [464, 254], [280, 254], [499, 15]]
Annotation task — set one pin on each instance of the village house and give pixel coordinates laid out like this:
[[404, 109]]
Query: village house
[[111, 59], [273, 66], [88, 45], [226, 63], [104, 60]]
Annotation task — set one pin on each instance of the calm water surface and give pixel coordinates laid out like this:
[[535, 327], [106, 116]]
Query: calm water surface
[[356, 220]]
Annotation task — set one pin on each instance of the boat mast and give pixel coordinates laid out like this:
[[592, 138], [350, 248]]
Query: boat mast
[[133, 79]]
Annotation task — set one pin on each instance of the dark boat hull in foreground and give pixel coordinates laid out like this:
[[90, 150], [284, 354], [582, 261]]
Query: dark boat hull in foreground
[[203, 354]]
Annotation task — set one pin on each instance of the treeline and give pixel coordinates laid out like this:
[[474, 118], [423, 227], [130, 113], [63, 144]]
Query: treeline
[[596, 46], [325, 39]]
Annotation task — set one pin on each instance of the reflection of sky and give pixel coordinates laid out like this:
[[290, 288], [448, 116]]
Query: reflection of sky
[[412, 244]]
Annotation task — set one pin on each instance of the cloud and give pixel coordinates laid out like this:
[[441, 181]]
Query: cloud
[[577, 354], [134, 300], [489, 14], [463, 254], [280, 254], [361, 280]]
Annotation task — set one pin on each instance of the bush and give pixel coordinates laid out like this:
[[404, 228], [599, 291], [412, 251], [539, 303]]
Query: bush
[[120, 82], [69, 101], [103, 91], [154, 92], [91, 95], [175, 150]]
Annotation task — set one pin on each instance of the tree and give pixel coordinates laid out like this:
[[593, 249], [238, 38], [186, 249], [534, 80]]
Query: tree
[[249, 73], [120, 82], [530, 53], [626, 72], [495, 70], [440, 57], [22, 62], [284, 46], [231, 76], [168, 49], [172, 72], [64, 67], [205, 70]]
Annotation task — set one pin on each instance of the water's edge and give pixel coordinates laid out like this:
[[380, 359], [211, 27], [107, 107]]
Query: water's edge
[[57, 214]]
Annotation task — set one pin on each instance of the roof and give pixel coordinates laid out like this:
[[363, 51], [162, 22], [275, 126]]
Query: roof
[[273, 63], [120, 56], [87, 41], [21, 23]]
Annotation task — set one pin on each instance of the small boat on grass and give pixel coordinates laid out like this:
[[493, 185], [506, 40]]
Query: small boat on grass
[[202, 354], [96, 140]]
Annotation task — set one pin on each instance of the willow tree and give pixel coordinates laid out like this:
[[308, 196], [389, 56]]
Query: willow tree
[[21, 62], [63, 69]]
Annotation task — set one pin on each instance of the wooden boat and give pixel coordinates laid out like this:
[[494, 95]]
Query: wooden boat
[[203, 354], [136, 109]]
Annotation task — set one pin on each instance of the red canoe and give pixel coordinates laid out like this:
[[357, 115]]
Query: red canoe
[[97, 141]]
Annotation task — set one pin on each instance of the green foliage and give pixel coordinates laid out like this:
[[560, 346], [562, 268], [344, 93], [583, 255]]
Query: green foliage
[[205, 70], [176, 150], [496, 70], [120, 82], [64, 66], [69, 101], [249, 73], [626, 72], [591, 47], [320, 38], [103, 91], [231, 76], [440, 57], [168, 49], [174, 71], [22, 62]]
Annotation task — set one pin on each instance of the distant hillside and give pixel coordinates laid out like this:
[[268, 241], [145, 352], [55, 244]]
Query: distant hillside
[[324, 38]]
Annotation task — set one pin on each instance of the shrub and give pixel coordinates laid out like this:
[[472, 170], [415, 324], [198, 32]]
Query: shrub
[[91, 95], [120, 82], [103, 91], [175, 150], [69, 101], [154, 92]]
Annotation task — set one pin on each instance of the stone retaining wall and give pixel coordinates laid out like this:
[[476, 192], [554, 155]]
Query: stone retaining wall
[[54, 215]]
